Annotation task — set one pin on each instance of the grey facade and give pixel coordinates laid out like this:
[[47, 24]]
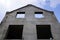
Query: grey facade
[[30, 22]]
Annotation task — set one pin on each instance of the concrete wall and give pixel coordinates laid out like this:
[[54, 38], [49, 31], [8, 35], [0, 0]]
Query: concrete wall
[[30, 22]]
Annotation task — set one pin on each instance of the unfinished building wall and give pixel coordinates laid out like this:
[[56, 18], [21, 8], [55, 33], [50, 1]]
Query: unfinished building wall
[[30, 22]]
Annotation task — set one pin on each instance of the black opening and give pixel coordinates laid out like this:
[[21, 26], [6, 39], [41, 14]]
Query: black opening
[[43, 31], [38, 12], [14, 32], [20, 12]]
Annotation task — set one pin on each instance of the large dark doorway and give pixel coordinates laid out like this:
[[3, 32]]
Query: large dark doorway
[[43, 31], [14, 32]]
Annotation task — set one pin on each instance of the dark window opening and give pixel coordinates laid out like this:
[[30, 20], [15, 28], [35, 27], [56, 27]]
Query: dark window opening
[[14, 32], [39, 15], [20, 15], [43, 32], [20, 12], [38, 12]]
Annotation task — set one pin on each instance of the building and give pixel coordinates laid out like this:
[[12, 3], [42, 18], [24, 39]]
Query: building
[[30, 23]]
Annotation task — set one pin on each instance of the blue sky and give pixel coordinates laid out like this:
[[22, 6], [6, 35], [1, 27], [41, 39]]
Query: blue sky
[[9, 5]]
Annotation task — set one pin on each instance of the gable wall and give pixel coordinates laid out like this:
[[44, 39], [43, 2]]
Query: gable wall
[[30, 21]]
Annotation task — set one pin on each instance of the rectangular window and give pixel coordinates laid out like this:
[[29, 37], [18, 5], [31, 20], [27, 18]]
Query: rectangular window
[[43, 32], [14, 32], [20, 15], [39, 15]]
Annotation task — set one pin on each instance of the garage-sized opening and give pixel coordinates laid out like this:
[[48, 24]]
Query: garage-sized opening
[[44, 32], [14, 32]]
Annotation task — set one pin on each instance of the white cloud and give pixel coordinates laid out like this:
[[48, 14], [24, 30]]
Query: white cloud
[[40, 3], [2, 12], [13, 4], [19, 3], [54, 3]]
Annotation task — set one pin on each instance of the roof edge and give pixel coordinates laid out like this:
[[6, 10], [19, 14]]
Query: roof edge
[[30, 5]]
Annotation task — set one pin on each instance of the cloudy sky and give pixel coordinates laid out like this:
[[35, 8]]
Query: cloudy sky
[[9, 5]]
